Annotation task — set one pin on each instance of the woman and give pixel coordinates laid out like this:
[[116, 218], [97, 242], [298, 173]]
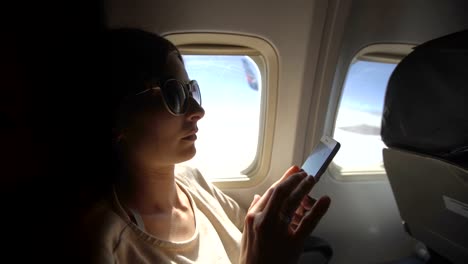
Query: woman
[[156, 215]]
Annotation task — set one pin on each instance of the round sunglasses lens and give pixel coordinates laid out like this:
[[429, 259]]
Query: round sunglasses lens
[[175, 96], [195, 89]]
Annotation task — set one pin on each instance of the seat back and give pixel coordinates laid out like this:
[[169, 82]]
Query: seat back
[[425, 127], [432, 197], [426, 103]]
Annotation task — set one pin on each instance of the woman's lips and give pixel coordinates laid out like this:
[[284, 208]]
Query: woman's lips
[[192, 135], [190, 138]]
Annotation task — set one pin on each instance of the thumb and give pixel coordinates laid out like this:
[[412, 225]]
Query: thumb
[[289, 172]]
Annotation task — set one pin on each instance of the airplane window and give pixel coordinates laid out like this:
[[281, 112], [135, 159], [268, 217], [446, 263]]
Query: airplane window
[[357, 124], [231, 88]]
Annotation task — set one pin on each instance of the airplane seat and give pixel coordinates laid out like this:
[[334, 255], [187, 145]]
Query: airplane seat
[[425, 127]]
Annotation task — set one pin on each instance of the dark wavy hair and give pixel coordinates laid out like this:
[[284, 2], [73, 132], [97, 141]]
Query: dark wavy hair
[[135, 58]]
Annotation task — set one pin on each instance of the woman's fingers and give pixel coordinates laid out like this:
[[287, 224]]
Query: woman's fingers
[[269, 234], [312, 218], [261, 203], [308, 202], [296, 219], [300, 211], [287, 174], [254, 201], [287, 199], [281, 192], [297, 195]]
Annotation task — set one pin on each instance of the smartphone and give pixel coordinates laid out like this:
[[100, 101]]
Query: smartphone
[[318, 161]]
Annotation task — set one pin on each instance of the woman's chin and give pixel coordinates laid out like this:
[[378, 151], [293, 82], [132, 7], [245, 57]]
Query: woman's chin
[[187, 154]]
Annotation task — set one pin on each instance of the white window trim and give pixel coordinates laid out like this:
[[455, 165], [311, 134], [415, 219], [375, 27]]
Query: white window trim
[[236, 44], [384, 53]]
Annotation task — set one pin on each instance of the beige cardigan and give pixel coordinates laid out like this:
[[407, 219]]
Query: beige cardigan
[[219, 221]]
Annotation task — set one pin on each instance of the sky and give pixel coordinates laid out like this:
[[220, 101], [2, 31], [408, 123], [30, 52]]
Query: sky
[[359, 117], [365, 86], [228, 134]]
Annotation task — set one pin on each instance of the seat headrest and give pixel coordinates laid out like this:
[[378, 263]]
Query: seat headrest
[[426, 103]]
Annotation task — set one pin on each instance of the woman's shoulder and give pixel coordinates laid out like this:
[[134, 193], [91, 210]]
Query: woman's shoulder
[[188, 175], [101, 213], [193, 180], [101, 228]]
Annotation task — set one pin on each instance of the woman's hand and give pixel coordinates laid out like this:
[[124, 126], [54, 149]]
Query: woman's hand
[[278, 222]]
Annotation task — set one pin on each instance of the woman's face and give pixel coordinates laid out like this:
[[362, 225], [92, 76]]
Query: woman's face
[[158, 137]]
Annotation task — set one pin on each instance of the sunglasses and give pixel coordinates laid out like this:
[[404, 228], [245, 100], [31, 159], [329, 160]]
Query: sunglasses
[[176, 95]]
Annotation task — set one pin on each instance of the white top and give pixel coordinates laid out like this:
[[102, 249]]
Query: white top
[[219, 221]]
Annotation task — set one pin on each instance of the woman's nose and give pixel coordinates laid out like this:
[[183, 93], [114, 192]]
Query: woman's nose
[[195, 111]]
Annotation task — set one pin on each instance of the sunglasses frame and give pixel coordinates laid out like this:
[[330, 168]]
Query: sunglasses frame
[[189, 88]]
